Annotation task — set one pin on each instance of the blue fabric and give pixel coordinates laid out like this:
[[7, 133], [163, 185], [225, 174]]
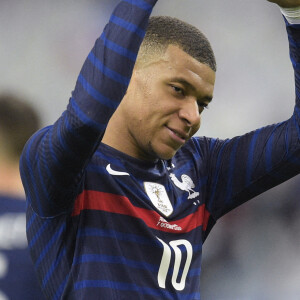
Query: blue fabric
[[18, 280]]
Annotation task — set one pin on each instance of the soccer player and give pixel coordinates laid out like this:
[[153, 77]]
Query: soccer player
[[18, 281], [120, 195]]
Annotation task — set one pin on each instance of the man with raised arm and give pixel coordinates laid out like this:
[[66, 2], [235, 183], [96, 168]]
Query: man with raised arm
[[121, 196]]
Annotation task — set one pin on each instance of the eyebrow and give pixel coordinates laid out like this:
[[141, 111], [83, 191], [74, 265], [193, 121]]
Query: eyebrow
[[184, 82]]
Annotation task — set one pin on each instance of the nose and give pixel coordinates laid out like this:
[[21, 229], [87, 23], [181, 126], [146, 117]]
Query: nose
[[189, 113]]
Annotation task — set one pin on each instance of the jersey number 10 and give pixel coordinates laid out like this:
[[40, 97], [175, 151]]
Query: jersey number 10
[[166, 259]]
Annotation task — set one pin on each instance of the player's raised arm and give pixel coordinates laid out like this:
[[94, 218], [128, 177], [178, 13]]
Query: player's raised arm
[[53, 162], [248, 165]]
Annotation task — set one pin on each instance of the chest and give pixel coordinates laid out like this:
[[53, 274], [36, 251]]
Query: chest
[[172, 193]]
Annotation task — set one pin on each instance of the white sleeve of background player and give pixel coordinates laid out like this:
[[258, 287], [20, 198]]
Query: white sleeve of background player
[[291, 14]]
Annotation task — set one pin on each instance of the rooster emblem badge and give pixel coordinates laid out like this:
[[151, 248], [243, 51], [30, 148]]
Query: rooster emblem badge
[[186, 184]]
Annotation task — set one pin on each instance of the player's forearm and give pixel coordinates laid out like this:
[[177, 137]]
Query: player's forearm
[[253, 163], [106, 73], [293, 31], [54, 160]]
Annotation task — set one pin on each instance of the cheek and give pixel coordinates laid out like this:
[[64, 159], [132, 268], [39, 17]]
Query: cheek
[[196, 128], [146, 103], [149, 108]]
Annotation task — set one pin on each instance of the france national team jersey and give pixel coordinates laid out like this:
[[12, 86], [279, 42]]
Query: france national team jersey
[[18, 280], [104, 225]]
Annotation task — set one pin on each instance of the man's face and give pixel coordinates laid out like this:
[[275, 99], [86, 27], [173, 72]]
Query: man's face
[[162, 108]]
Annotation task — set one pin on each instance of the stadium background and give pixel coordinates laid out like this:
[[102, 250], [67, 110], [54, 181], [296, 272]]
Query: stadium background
[[253, 252]]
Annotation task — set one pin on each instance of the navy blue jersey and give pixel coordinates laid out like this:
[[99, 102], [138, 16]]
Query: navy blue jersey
[[18, 280], [104, 225]]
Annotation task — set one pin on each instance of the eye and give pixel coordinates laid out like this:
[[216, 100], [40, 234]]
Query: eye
[[177, 90], [202, 106]]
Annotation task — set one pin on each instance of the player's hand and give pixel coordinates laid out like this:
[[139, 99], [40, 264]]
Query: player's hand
[[286, 3]]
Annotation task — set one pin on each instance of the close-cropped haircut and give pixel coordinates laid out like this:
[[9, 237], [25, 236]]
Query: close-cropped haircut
[[18, 121], [163, 31]]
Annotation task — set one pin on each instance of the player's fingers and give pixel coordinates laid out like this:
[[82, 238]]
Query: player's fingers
[[286, 3]]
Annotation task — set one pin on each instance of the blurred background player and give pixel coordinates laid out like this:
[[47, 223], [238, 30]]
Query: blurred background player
[[18, 120]]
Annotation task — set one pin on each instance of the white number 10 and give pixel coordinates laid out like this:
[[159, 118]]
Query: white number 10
[[165, 263]]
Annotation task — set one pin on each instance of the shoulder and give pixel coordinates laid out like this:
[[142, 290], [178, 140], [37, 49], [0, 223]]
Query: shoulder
[[200, 145]]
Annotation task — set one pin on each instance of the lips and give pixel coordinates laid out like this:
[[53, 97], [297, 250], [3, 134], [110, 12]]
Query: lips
[[179, 135]]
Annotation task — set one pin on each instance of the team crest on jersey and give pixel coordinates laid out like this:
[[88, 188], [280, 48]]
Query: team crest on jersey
[[186, 184], [159, 197]]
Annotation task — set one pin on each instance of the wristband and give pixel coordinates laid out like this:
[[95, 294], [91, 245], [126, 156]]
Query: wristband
[[291, 14]]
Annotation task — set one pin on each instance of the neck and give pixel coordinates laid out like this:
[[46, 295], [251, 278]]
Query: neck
[[115, 133], [117, 137]]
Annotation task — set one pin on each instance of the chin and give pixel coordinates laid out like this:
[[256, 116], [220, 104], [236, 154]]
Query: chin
[[164, 154]]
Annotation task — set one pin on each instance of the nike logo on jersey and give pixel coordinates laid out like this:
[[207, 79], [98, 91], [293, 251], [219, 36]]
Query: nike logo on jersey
[[114, 172]]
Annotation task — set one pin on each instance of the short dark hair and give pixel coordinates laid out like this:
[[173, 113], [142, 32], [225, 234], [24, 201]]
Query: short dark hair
[[164, 30], [18, 121]]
